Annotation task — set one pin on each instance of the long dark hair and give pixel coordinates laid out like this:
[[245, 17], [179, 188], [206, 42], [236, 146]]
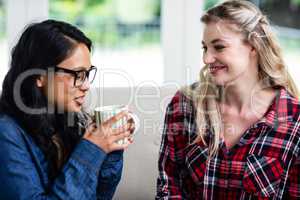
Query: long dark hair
[[41, 47]]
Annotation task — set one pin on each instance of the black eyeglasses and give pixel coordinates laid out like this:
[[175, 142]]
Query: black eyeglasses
[[80, 76]]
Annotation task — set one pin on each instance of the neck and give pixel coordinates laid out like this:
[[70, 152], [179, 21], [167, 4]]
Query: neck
[[242, 98]]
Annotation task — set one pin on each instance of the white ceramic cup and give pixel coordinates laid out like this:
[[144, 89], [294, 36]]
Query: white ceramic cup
[[103, 113]]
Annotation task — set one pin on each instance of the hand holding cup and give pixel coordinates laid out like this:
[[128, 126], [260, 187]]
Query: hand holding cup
[[106, 137], [115, 125]]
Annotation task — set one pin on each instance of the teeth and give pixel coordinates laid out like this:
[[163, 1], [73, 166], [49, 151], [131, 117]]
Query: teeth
[[214, 68], [217, 66]]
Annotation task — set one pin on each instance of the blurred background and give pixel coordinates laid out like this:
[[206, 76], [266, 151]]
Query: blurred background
[[140, 42], [144, 50]]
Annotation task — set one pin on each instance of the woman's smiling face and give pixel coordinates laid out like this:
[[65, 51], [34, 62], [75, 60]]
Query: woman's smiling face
[[60, 89], [227, 54]]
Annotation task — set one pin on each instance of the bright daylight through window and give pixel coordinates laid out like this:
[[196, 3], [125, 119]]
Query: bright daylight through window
[[3, 42], [126, 37]]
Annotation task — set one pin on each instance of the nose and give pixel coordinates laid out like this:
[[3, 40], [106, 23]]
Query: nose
[[208, 57], [85, 85]]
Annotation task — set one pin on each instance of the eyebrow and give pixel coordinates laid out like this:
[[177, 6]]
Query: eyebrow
[[80, 68], [214, 41]]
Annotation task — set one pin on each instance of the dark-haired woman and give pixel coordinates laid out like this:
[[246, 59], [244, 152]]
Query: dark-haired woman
[[50, 149]]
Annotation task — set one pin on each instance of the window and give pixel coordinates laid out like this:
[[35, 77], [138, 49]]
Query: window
[[125, 34], [284, 16], [3, 42]]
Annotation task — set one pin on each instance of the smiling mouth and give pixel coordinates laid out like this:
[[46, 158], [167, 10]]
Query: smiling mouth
[[215, 69], [79, 100]]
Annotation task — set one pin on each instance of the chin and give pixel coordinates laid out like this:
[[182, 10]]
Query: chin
[[74, 108], [219, 82], [78, 109], [223, 81]]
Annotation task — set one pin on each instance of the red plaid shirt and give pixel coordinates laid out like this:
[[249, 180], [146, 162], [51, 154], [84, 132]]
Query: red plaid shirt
[[265, 164]]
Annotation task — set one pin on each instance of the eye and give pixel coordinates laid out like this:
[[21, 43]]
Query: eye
[[204, 48], [219, 47], [81, 75]]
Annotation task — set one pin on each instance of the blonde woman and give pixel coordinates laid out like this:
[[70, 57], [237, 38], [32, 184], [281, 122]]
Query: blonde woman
[[234, 134]]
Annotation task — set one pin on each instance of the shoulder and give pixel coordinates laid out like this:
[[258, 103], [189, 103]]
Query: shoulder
[[184, 100], [181, 118], [7, 122], [285, 110], [293, 110], [281, 137], [293, 107], [288, 111], [9, 128]]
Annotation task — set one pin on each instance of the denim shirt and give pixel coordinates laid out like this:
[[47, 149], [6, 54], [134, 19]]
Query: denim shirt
[[89, 173]]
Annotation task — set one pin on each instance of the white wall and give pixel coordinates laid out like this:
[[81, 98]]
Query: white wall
[[22, 12], [181, 38]]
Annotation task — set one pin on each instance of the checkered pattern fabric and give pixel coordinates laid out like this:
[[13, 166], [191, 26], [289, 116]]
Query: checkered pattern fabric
[[264, 164]]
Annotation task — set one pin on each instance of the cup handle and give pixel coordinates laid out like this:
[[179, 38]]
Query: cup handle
[[136, 122]]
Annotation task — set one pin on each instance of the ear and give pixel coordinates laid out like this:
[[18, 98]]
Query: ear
[[41, 81], [253, 51]]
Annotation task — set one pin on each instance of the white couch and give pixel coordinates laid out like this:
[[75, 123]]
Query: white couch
[[140, 160]]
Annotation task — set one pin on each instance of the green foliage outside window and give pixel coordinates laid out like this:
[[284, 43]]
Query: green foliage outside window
[[210, 3], [295, 2], [2, 20], [289, 44], [99, 20]]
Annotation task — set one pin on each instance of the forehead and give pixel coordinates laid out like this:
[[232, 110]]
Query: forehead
[[221, 30], [79, 58]]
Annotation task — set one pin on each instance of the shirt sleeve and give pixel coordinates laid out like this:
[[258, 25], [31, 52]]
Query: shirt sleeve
[[171, 155], [19, 176], [293, 182], [110, 175]]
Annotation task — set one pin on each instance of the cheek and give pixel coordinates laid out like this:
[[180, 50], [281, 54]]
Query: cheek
[[237, 59], [64, 91]]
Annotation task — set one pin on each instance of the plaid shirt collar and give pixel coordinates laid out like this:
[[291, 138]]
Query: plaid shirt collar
[[277, 112]]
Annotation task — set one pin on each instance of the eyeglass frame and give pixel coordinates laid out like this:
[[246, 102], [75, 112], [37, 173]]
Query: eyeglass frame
[[75, 73]]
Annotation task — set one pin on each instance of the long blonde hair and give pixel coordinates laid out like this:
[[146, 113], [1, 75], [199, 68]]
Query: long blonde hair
[[271, 68]]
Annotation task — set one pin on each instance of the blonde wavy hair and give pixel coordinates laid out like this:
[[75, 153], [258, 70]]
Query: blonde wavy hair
[[271, 68]]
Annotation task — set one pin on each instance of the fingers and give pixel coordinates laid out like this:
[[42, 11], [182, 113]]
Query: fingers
[[115, 118], [117, 146], [109, 137], [131, 125], [120, 136], [130, 140], [121, 129], [123, 145], [108, 131], [91, 128]]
